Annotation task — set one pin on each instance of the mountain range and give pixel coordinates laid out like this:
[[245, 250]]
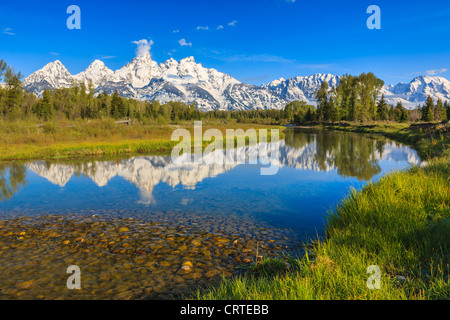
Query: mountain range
[[188, 81]]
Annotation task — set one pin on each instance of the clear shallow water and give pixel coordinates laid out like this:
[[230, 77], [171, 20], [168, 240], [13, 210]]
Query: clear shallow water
[[316, 171]]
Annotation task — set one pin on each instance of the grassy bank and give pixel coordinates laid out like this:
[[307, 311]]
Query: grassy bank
[[400, 224], [22, 140]]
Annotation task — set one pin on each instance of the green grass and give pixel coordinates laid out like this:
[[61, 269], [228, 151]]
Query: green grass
[[23, 140], [400, 223]]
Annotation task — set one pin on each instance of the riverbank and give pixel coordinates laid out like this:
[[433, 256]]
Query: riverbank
[[62, 139], [400, 224]]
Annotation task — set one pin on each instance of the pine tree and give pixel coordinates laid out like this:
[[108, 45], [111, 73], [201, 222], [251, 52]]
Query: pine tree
[[322, 102], [334, 111], [44, 109], [447, 107], [117, 106], [309, 116], [3, 67], [404, 116], [428, 110], [398, 111], [439, 111], [382, 109]]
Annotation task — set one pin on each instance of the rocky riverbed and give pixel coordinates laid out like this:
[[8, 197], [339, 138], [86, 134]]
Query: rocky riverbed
[[128, 258]]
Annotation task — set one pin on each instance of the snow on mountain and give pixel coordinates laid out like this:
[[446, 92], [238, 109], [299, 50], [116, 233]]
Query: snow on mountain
[[53, 75], [302, 88], [188, 81], [97, 72], [143, 79], [416, 92], [139, 72]]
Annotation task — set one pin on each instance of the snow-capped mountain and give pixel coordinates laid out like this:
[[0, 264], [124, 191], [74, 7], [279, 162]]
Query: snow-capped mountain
[[302, 88], [97, 72], [144, 79], [53, 75], [188, 81], [417, 91]]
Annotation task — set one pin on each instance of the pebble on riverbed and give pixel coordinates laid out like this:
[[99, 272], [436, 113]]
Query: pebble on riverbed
[[118, 258]]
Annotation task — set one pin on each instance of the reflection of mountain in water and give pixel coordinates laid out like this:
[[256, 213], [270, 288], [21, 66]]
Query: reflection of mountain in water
[[351, 155], [144, 172]]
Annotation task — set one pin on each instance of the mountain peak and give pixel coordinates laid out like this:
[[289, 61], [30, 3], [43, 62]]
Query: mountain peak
[[143, 57], [188, 60], [55, 64], [97, 62]]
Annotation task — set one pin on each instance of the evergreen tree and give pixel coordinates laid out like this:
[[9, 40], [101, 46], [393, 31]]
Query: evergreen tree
[[404, 116], [398, 111], [44, 109], [117, 106], [447, 107], [428, 110], [382, 109], [322, 102], [334, 111], [439, 111], [309, 117], [14, 94], [3, 67]]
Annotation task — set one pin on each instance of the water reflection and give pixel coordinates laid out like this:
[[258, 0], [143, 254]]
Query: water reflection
[[351, 155], [12, 178]]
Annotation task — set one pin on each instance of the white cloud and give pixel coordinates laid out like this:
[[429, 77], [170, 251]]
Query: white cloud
[[256, 58], [54, 53], [143, 47], [176, 31], [200, 28], [220, 27], [108, 57], [233, 23], [9, 31], [183, 43], [435, 72]]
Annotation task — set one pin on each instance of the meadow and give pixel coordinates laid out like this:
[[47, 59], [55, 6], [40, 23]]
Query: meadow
[[26, 140]]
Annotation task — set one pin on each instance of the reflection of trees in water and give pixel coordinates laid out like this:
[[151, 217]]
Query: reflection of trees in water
[[297, 139], [11, 184], [353, 155]]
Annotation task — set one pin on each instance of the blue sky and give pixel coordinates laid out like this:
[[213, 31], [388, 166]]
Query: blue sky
[[255, 41]]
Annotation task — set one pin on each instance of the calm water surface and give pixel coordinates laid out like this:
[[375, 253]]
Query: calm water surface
[[316, 171]]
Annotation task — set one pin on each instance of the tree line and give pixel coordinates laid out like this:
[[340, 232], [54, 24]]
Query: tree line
[[354, 99]]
